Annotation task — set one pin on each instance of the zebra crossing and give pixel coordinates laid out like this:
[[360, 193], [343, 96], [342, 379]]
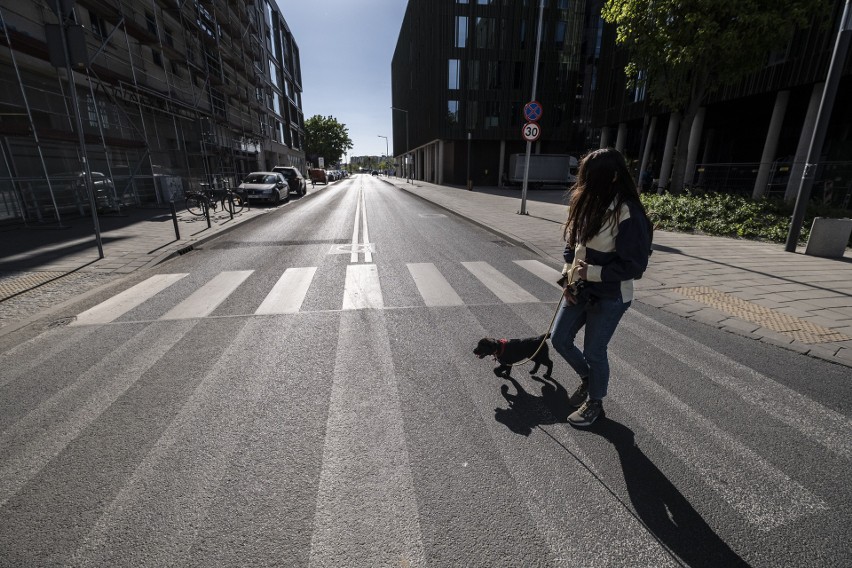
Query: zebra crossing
[[362, 290]]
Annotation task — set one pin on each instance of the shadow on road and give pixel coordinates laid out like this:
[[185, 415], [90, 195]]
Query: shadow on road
[[656, 502]]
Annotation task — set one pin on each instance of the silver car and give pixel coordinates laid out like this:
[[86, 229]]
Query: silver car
[[266, 186]]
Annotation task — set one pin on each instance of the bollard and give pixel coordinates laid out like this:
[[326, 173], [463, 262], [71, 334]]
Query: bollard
[[174, 219], [207, 213]]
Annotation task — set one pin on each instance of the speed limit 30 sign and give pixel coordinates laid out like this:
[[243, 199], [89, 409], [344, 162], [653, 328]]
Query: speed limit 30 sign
[[531, 131]]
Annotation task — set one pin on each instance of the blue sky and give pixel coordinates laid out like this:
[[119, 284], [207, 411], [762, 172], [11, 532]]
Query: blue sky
[[346, 47]]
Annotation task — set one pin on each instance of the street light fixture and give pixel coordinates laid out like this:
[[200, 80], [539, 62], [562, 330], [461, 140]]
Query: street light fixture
[[387, 153], [407, 165]]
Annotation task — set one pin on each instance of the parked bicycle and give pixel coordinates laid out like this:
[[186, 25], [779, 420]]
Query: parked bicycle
[[200, 201]]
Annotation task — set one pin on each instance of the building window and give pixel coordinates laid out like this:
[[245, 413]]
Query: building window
[[492, 114], [559, 34], [518, 78], [170, 40], [461, 1], [473, 75], [494, 72], [562, 4], [639, 90], [157, 57], [151, 22], [461, 31], [98, 25], [454, 69], [486, 30], [472, 111], [97, 108], [453, 112]]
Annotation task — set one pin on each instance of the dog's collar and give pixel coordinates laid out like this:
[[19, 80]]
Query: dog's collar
[[503, 343]]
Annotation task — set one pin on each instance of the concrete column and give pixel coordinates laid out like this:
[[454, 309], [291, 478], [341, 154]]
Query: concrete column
[[502, 163], [804, 142], [621, 137], [668, 153], [604, 137], [771, 144], [646, 155], [694, 143]]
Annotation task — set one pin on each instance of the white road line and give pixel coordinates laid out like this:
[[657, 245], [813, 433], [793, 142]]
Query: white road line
[[366, 504], [122, 303], [186, 464], [65, 415], [289, 292], [362, 289], [432, 285], [203, 301], [354, 256], [502, 287], [822, 425], [763, 495], [541, 270], [368, 253]]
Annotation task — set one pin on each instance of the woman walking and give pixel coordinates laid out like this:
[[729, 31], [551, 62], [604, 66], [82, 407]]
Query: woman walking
[[608, 240]]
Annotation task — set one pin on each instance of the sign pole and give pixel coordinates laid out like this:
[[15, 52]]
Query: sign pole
[[523, 210]]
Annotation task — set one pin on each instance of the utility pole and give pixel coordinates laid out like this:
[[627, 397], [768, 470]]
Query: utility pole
[[63, 8], [826, 105], [523, 210]]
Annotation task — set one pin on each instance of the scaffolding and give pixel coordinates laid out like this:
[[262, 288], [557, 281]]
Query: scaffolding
[[172, 93]]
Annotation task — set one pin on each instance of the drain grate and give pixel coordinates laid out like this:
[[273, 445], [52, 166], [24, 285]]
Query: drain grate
[[797, 328]]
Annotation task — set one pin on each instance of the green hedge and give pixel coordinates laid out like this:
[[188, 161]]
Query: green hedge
[[731, 215]]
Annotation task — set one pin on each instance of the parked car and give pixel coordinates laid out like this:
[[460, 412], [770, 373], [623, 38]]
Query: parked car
[[374, 172], [294, 178], [317, 175], [266, 186]]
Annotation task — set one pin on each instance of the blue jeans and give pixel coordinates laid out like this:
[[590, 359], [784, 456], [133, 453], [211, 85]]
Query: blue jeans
[[601, 317]]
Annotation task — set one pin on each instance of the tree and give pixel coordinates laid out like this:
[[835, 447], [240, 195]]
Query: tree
[[682, 49], [326, 138]]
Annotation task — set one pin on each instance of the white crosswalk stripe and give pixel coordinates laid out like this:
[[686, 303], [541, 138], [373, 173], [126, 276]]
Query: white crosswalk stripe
[[289, 292], [502, 287], [122, 303], [546, 273], [203, 301], [362, 289], [432, 285]]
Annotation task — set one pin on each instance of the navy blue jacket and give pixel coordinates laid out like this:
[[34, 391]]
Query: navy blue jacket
[[616, 255]]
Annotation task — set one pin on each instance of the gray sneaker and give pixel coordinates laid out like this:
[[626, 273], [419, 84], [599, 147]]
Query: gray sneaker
[[579, 396], [586, 414]]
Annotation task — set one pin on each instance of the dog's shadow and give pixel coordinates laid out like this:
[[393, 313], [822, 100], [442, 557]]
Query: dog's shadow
[[526, 411]]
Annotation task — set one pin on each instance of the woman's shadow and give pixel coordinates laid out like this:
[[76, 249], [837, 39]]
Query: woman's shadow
[[657, 503]]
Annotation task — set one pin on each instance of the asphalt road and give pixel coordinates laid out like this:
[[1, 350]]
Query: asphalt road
[[302, 392]]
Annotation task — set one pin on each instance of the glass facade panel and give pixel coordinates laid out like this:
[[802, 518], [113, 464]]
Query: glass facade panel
[[461, 31], [473, 75], [454, 70], [453, 112]]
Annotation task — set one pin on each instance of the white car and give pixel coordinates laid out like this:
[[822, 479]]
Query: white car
[[266, 186]]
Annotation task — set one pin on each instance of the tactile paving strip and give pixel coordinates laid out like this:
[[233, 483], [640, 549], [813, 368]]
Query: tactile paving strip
[[797, 328], [15, 283]]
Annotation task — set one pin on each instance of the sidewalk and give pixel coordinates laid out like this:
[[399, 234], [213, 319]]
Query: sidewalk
[[753, 289]]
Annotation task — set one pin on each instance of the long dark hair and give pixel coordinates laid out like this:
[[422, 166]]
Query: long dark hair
[[602, 178]]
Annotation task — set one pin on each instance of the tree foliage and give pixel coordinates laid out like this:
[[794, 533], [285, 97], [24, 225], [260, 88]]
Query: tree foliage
[[682, 49], [327, 138]]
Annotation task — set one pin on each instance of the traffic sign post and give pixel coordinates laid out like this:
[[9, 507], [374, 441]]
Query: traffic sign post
[[531, 131], [532, 111]]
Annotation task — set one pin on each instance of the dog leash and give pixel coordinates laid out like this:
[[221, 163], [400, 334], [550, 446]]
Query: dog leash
[[549, 327]]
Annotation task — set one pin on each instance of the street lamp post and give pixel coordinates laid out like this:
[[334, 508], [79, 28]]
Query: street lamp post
[[407, 165], [387, 152]]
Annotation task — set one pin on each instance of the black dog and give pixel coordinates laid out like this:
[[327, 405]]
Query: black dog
[[511, 351]]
